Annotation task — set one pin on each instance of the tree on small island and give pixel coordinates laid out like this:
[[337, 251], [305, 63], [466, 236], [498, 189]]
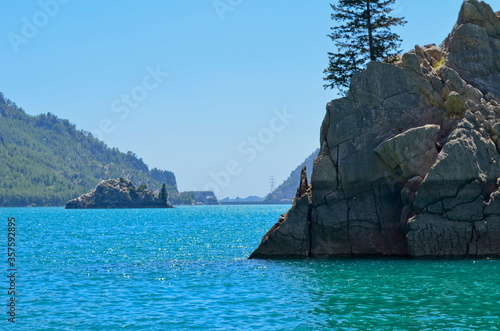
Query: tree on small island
[[365, 35], [163, 195]]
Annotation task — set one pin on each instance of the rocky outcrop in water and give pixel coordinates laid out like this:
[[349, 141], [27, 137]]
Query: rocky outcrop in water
[[118, 193], [409, 162]]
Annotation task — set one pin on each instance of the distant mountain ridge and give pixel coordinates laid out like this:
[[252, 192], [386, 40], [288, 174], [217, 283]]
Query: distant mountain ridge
[[46, 161], [194, 198], [287, 190], [251, 198]]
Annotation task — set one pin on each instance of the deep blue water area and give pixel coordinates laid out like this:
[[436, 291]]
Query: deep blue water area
[[187, 268]]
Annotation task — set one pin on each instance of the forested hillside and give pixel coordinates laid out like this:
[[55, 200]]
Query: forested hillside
[[45, 161], [287, 190]]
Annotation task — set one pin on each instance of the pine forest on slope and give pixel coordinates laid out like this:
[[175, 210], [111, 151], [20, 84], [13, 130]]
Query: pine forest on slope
[[287, 190], [46, 161]]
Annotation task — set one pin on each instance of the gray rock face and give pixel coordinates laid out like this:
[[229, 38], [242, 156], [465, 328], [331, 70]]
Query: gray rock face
[[411, 153], [290, 237], [117, 193], [473, 46], [409, 161]]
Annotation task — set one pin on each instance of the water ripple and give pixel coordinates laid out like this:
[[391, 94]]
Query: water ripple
[[186, 268]]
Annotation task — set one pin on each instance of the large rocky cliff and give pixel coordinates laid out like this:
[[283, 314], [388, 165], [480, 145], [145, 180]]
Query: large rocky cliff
[[409, 162]]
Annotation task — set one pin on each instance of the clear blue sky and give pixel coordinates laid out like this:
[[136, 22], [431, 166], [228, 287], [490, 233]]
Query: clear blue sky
[[232, 66]]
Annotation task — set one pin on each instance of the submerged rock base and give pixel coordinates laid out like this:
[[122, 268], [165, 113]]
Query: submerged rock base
[[409, 162]]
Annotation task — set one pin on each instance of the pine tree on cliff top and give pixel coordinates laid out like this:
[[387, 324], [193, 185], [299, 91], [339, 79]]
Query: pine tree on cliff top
[[363, 34]]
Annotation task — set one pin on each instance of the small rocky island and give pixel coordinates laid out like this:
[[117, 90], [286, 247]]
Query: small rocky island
[[409, 164], [120, 193]]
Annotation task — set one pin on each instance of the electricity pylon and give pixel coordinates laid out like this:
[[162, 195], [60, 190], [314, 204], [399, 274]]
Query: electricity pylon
[[272, 183]]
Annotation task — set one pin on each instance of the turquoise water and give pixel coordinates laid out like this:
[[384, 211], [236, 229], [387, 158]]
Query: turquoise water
[[186, 268]]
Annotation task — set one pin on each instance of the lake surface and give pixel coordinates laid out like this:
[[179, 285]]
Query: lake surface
[[186, 268]]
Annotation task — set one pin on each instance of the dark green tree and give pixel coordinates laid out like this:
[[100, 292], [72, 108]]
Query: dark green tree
[[163, 193], [363, 34]]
